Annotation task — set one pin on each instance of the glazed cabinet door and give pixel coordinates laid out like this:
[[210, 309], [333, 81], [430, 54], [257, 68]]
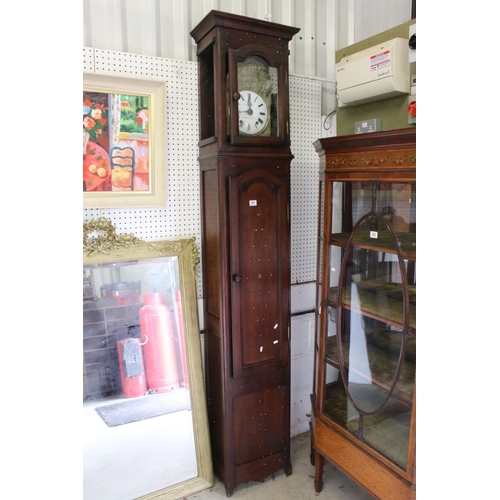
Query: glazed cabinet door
[[370, 346], [258, 224]]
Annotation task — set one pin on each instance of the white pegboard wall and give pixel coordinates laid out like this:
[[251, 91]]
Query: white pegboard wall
[[180, 217], [305, 128], [88, 60]]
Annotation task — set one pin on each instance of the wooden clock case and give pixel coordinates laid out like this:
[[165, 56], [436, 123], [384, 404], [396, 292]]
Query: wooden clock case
[[245, 193]]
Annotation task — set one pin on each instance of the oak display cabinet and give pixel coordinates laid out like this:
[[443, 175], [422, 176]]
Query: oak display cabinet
[[364, 400]]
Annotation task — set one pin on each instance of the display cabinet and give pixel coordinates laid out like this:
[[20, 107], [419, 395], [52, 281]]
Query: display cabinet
[[363, 401]]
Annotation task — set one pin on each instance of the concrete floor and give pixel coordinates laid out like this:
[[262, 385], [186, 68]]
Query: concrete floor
[[128, 461], [162, 455], [298, 486]]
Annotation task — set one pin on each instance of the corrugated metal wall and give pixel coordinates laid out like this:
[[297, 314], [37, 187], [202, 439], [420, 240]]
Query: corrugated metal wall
[[160, 28]]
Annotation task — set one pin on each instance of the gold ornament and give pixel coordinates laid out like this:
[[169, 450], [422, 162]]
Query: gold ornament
[[107, 238]]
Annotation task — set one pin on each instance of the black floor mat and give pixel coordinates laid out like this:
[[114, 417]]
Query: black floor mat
[[141, 408]]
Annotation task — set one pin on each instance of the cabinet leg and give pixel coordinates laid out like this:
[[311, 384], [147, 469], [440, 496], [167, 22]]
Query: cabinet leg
[[318, 471], [311, 454], [230, 486], [229, 491]]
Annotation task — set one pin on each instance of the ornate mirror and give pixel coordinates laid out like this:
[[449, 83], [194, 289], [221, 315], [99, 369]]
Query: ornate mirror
[[145, 427]]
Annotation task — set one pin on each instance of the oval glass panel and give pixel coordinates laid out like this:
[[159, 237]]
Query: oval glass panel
[[372, 315]]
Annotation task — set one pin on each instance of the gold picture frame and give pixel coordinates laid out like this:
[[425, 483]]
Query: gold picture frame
[[139, 269], [124, 142]]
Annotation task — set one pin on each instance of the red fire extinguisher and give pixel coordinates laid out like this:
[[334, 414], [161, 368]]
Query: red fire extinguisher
[[159, 347], [131, 365]]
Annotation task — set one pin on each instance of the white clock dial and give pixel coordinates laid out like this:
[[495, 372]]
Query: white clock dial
[[253, 114]]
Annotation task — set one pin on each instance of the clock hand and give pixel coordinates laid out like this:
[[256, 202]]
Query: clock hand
[[249, 111]]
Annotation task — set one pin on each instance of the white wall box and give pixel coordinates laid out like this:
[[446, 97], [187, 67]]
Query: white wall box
[[374, 74]]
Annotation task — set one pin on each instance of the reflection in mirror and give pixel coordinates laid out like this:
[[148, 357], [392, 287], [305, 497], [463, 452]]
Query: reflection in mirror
[[145, 428]]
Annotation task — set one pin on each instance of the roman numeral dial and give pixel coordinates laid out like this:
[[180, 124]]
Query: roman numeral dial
[[253, 113]]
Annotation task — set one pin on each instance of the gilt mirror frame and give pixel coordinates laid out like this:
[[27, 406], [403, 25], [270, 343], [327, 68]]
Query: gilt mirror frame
[[127, 248]]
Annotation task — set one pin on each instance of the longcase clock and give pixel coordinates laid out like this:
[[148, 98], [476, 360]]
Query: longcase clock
[[244, 157]]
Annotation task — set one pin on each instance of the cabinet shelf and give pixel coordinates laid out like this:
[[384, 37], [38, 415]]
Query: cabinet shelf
[[384, 243], [386, 431], [379, 301], [382, 363]]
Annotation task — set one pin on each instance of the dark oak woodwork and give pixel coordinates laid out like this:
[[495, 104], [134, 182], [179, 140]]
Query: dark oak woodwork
[[245, 195], [386, 157]]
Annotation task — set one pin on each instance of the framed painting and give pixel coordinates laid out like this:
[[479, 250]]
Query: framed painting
[[124, 142]]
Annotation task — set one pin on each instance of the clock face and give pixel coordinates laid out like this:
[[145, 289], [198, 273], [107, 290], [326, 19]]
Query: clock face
[[253, 113]]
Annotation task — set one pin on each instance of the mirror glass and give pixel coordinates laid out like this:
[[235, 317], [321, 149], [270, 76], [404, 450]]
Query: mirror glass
[[145, 428]]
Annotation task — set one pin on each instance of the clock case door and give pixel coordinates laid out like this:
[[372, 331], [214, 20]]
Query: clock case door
[[258, 201], [279, 113]]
